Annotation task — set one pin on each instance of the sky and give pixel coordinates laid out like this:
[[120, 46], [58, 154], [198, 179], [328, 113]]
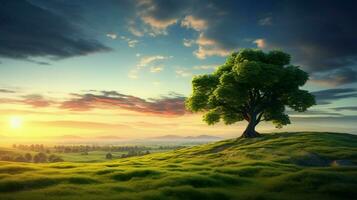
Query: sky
[[123, 68]]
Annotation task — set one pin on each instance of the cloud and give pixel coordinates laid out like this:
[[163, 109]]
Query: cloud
[[321, 41], [33, 100], [330, 95], [312, 113], [131, 42], [41, 32], [209, 47], [347, 108], [207, 18], [267, 21], [132, 28], [145, 61], [171, 105], [183, 72], [194, 23], [159, 26], [158, 14], [188, 43], [156, 69], [260, 43], [112, 35], [7, 91], [335, 77], [36, 101]]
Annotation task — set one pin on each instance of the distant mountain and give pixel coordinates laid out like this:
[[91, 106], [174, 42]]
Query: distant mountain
[[69, 137], [178, 137], [109, 137], [168, 137], [204, 137]]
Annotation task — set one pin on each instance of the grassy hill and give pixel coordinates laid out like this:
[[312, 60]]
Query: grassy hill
[[275, 166]]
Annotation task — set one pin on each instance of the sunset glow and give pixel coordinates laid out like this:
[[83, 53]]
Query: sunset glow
[[15, 122]]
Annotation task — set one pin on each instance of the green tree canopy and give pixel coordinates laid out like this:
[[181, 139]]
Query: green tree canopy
[[251, 85]]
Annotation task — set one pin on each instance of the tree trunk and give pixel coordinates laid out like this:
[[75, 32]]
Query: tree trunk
[[250, 130]]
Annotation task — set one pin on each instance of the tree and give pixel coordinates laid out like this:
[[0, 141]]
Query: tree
[[28, 157], [40, 158], [251, 85], [109, 156], [20, 159]]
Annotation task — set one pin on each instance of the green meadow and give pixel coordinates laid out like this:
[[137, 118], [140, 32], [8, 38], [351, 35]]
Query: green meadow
[[301, 165]]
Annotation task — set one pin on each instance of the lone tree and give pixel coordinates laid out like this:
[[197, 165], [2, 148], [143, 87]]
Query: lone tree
[[109, 156], [253, 86]]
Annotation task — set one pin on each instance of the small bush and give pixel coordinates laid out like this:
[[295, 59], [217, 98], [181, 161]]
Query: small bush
[[109, 156]]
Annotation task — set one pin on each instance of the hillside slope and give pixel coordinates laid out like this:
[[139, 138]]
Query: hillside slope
[[275, 166]]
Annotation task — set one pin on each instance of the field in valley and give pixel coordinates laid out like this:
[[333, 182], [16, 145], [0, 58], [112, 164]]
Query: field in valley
[[275, 166]]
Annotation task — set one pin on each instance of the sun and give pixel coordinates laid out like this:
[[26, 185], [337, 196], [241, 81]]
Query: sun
[[16, 122]]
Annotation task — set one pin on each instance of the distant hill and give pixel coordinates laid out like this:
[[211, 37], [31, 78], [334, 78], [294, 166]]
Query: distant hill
[[178, 137]]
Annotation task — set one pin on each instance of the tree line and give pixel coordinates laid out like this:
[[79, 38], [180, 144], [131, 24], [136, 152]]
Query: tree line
[[40, 157]]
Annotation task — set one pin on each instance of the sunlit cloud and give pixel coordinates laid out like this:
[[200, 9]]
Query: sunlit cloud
[[132, 28], [260, 43], [147, 61], [156, 69], [131, 42], [112, 35], [209, 47], [183, 72], [188, 43], [33, 100], [194, 23], [158, 26]]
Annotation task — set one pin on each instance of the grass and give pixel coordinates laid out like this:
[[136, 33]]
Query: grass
[[275, 166]]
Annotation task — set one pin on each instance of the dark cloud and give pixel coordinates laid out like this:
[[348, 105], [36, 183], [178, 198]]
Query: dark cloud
[[321, 37], [313, 113], [329, 95], [28, 31], [7, 91], [336, 77], [320, 34], [166, 105], [347, 108]]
